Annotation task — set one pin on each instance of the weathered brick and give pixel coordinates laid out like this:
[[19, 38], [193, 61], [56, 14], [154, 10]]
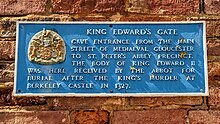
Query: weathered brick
[[90, 117], [84, 103], [214, 97], [213, 46], [212, 6], [6, 72], [149, 117], [29, 101], [7, 28], [8, 25], [6, 85], [94, 18], [7, 99], [37, 117], [166, 101], [15, 7], [215, 83], [87, 6], [135, 17], [213, 58], [109, 6], [204, 117], [164, 6], [73, 6], [214, 71], [213, 28], [7, 49]]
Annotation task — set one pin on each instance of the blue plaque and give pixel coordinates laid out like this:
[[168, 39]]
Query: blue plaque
[[111, 59]]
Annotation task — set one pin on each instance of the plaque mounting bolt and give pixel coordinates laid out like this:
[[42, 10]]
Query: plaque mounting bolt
[[19, 91]]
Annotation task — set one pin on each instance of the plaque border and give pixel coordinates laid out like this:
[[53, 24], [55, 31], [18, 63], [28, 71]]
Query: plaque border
[[206, 93]]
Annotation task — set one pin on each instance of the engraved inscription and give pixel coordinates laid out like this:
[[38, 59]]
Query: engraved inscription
[[115, 58]]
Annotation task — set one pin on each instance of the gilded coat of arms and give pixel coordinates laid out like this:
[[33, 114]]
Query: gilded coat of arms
[[47, 47]]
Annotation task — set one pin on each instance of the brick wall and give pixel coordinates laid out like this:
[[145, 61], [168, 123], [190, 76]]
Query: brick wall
[[114, 110]]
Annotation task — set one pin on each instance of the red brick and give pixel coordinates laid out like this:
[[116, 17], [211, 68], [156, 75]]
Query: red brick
[[213, 28], [214, 97], [7, 28], [84, 103], [5, 97], [109, 6], [166, 101], [164, 6], [213, 46], [212, 6], [90, 117], [6, 72], [7, 49], [150, 18], [204, 117], [135, 17], [150, 117], [8, 25], [29, 101], [73, 6], [214, 71], [15, 7], [37, 117], [213, 58], [143, 18], [215, 83], [87, 6], [6, 85], [94, 18]]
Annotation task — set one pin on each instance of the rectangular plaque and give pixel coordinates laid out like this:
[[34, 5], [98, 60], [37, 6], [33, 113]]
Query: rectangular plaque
[[111, 59]]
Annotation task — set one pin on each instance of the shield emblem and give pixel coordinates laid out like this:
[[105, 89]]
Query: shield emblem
[[46, 47]]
